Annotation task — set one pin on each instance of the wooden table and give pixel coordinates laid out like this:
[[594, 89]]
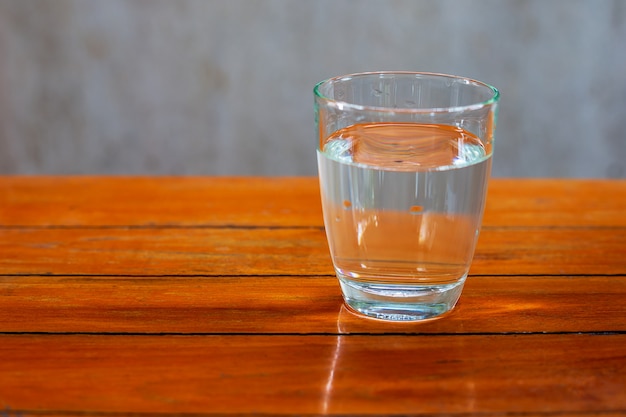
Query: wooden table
[[208, 296]]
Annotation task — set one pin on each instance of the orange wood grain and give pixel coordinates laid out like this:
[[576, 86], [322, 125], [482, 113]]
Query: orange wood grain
[[277, 201], [267, 251], [213, 296], [298, 305], [481, 374], [556, 203], [159, 200]]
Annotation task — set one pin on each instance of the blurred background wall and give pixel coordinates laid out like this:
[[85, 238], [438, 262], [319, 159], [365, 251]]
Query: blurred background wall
[[223, 87]]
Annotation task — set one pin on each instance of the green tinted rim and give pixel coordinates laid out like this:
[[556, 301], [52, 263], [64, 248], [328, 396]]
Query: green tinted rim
[[345, 105]]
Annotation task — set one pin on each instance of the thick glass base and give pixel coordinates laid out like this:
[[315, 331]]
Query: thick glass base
[[400, 302]]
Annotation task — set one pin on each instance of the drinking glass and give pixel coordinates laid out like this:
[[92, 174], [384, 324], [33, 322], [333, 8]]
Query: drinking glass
[[404, 159]]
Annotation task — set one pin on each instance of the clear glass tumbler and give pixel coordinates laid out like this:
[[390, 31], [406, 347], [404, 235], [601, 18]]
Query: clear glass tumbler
[[404, 159]]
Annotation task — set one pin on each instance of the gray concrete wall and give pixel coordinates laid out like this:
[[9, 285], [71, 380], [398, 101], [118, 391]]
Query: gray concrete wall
[[214, 87]]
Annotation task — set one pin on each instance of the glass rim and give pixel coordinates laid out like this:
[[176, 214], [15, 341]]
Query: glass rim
[[346, 105]]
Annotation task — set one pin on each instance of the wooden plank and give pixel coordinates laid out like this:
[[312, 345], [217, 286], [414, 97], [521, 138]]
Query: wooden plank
[[186, 201], [531, 374], [150, 201], [164, 251], [298, 305], [556, 203], [267, 251]]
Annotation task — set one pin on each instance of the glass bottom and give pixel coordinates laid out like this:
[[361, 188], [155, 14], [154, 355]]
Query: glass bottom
[[400, 302]]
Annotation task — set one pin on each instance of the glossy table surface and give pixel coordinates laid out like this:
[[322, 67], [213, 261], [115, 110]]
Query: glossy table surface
[[216, 296]]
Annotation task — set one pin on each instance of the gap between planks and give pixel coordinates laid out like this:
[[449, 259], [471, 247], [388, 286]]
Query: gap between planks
[[318, 334], [267, 227]]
